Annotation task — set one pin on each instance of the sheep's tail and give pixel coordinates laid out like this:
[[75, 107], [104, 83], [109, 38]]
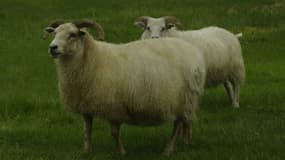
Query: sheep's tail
[[239, 35]]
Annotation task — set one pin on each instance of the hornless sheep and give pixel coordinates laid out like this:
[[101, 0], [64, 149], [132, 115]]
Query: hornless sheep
[[221, 50], [144, 82]]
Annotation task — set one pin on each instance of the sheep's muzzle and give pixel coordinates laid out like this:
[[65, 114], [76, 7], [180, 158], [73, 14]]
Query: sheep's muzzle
[[53, 51]]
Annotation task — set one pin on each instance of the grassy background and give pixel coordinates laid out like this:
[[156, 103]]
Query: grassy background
[[33, 124]]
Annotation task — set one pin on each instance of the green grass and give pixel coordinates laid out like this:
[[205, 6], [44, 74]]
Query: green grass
[[33, 125]]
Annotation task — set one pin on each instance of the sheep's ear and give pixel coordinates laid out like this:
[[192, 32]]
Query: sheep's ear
[[169, 25], [81, 33], [171, 21], [49, 29], [47, 32], [141, 22]]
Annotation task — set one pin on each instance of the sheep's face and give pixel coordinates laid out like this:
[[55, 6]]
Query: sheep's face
[[156, 27], [67, 41]]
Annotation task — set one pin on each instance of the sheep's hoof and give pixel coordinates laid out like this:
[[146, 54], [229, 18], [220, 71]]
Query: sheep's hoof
[[187, 141], [87, 148], [168, 151], [121, 152], [236, 105]]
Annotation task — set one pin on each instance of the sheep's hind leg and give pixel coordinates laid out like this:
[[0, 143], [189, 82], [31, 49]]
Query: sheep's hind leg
[[175, 133], [187, 131], [88, 118], [115, 131], [229, 90], [236, 88]]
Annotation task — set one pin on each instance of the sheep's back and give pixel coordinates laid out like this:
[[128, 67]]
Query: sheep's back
[[222, 53]]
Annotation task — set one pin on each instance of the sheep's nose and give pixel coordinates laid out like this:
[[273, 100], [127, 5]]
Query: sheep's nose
[[53, 51], [53, 47], [154, 37]]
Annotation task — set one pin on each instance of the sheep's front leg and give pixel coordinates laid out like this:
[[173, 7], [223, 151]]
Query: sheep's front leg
[[187, 131], [88, 118], [175, 133], [229, 90], [115, 131]]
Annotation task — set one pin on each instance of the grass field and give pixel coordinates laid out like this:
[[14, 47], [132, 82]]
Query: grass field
[[34, 126]]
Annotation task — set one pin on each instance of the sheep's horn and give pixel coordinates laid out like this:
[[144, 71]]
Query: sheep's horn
[[91, 24], [54, 24], [171, 21], [141, 21]]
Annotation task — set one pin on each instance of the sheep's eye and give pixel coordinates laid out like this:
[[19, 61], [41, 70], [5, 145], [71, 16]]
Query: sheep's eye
[[147, 28], [72, 35], [163, 29]]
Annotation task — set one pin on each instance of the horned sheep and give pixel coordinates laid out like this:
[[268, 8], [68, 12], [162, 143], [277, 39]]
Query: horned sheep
[[221, 50], [144, 83]]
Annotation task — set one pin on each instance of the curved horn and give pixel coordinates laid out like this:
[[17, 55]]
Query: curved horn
[[171, 21], [85, 23], [141, 21], [54, 24]]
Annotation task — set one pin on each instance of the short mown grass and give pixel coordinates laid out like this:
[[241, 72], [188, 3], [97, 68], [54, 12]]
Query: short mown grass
[[34, 126]]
